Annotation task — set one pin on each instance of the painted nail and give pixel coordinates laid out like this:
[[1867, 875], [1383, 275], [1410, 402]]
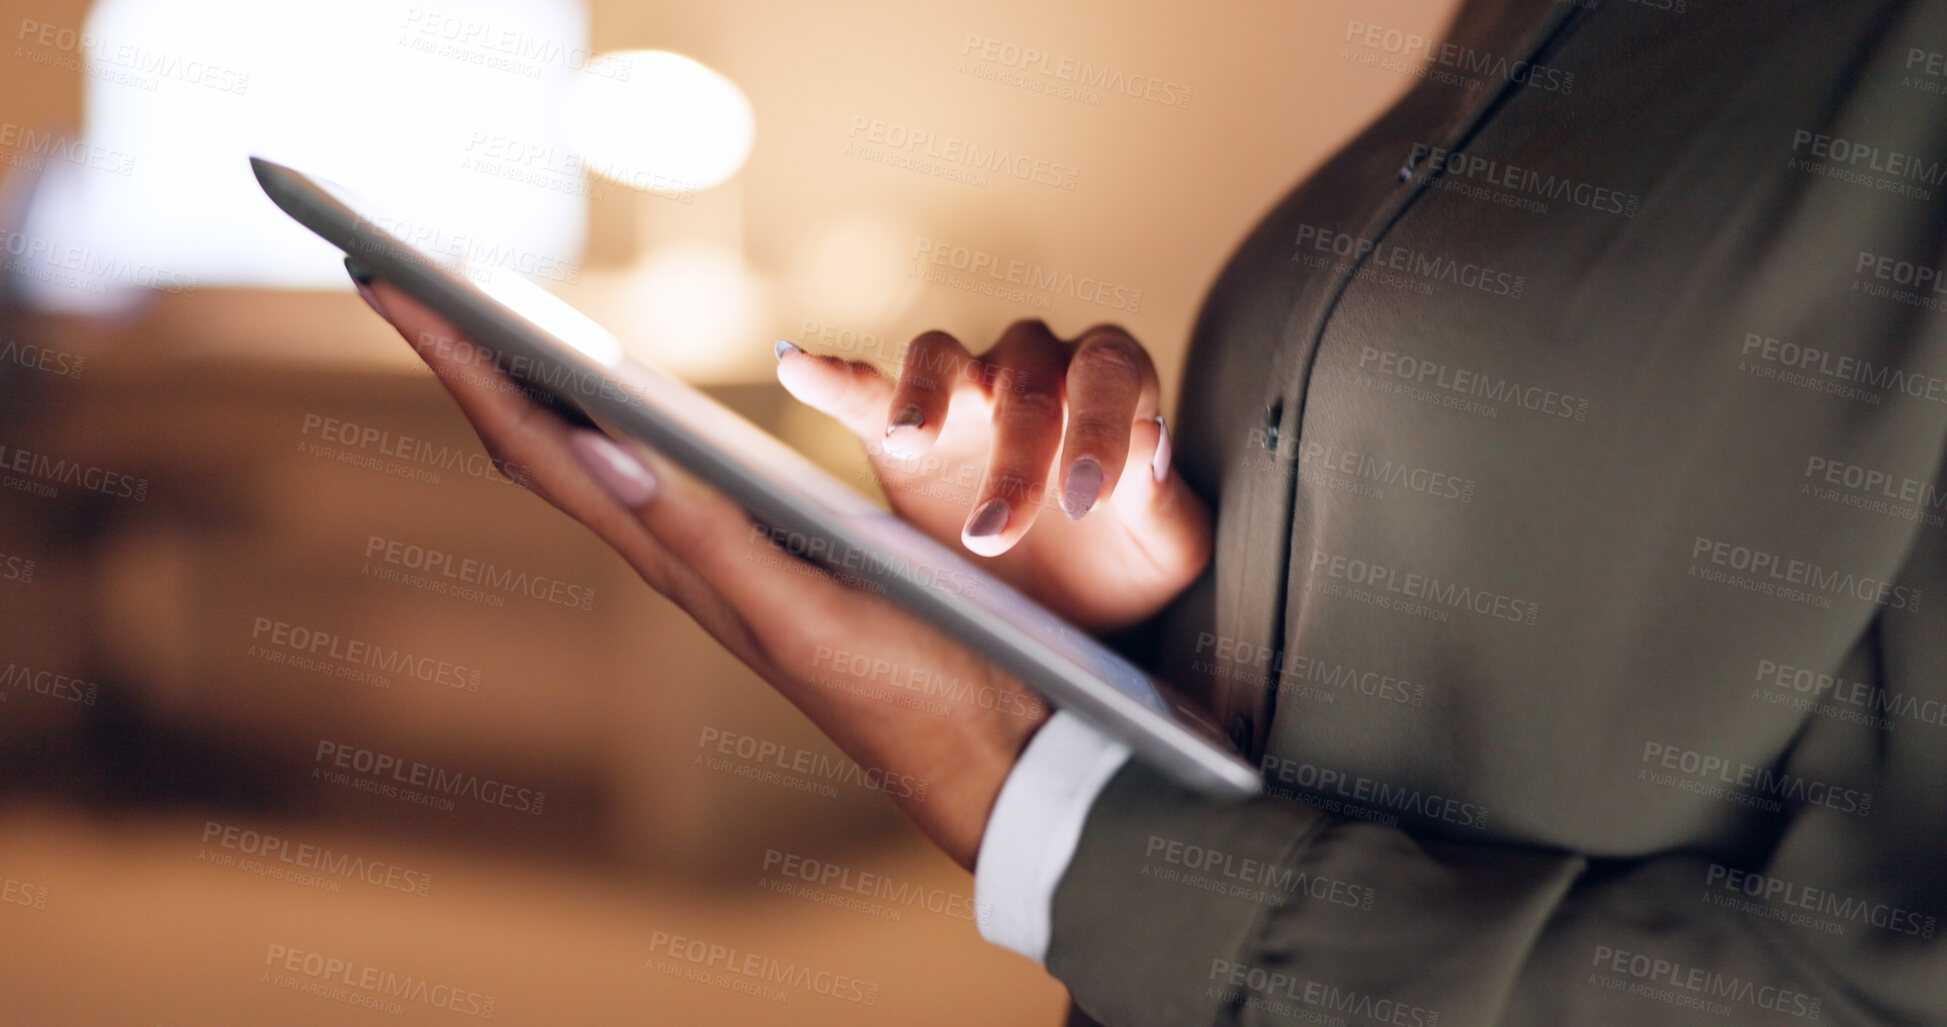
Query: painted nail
[[1081, 488], [784, 348], [988, 520], [362, 281], [371, 299], [616, 468], [909, 416], [1159, 465]]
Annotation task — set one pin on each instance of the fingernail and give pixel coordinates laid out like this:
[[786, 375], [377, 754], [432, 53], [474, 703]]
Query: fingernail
[[1081, 487], [988, 520], [371, 299], [783, 348], [362, 281], [616, 468], [909, 416], [1159, 465]]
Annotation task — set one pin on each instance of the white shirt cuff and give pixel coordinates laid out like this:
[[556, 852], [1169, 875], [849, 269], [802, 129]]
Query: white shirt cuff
[[1034, 829]]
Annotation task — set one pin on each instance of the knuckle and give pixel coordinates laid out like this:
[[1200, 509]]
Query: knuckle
[[1097, 433], [930, 355], [1015, 487], [1028, 326], [1111, 359], [933, 338], [1107, 329], [1032, 400], [922, 379]]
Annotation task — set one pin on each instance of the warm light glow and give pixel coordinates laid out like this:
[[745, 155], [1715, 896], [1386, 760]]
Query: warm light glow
[[658, 121], [852, 270], [695, 309], [427, 110]]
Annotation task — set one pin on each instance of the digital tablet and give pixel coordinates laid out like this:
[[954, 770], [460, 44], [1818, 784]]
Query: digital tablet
[[811, 514]]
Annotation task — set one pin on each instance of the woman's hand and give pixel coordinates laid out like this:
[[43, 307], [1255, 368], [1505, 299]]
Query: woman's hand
[[784, 618], [968, 448]]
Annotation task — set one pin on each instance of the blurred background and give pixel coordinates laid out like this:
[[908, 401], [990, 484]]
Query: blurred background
[[221, 675]]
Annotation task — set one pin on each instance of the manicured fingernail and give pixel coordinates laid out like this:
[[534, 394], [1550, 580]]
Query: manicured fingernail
[[1159, 465], [784, 348], [362, 281], [909, 416], [1081, 487], [371, 299], [988, 520], [616, 468]]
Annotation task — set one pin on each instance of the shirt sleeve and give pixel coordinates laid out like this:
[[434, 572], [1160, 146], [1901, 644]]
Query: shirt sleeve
[[1034, 828]]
